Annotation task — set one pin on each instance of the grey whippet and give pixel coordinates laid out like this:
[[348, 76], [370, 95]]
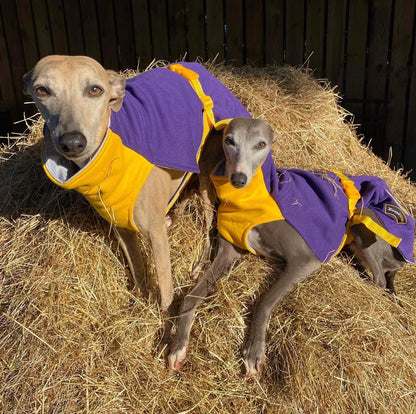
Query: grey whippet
[[87, 110], [277, 235]]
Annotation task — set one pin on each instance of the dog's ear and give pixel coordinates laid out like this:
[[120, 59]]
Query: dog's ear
[[27, 79], [272, 133], [118, 87]]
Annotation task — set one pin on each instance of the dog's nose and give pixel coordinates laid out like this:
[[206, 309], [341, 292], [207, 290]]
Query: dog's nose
[[238, 180], [72, 143]]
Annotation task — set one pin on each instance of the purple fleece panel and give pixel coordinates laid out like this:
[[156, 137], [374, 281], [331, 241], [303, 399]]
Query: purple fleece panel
[[161, 116], [316, 206]]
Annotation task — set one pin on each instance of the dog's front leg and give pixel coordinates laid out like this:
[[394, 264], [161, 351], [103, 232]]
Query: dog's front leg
[[128, 243], [294, 272], [149, 217], [227, 253]]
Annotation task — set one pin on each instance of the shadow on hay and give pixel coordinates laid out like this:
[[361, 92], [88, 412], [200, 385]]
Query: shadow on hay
[[25, 192]]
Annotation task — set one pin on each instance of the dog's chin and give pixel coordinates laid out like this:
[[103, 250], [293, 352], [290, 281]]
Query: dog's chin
[[80, 159]]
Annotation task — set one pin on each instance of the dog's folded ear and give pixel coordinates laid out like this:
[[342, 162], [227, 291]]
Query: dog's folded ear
[[27, 77], [272, 133], [118, 87]]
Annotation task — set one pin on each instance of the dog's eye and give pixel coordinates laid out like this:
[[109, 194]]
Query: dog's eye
[[228, 141], [41, 91], [95, 91], [261, 145]]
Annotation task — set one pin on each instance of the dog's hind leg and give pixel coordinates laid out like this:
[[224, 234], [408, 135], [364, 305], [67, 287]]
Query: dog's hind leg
[[376, 254], [390, 275], [129, 244], [227, 253]]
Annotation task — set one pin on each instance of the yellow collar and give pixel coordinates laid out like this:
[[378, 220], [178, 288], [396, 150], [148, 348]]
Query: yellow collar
[[111, 181], [242, 209]]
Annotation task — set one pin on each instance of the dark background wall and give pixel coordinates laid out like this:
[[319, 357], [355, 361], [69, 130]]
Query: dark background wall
[[364, 47]]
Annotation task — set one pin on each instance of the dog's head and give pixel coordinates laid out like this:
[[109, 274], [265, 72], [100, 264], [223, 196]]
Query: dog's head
[[246, 143], [74, 94]]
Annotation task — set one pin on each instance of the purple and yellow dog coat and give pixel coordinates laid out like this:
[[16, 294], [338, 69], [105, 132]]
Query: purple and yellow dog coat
[[320, 206], [167, 114]]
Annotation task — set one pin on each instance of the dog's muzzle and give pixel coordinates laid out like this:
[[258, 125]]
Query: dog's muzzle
[[72, 143]]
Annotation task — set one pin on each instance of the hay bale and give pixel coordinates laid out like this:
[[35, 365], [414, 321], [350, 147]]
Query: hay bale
[[75, 340]]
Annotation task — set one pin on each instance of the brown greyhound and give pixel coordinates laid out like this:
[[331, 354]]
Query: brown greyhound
[[289, 224], [129, 146]]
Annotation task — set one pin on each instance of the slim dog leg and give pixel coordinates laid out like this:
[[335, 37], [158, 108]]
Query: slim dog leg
[[207, 193], [390, 275], [382, 259], [158, 239], [227, 253], [129, 245], [379, 256], [254, 349], [211, 154]]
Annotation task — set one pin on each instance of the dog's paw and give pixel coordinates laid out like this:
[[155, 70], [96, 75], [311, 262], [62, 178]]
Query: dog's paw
[[196, 272], [168, 221], [253, 356], [177, 357]]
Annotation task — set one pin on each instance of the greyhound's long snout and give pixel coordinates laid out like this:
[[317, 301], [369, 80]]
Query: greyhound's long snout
[[72, 143], [238, 180]]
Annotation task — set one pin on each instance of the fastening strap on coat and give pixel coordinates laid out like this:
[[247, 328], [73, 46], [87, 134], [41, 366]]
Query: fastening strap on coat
[[193, 79], [209, 120], [350, 191], [353, 196], [377, 229]]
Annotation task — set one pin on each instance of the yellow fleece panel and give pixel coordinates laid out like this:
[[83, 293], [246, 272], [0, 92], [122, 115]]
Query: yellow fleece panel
[[254, 204], [112, 181]]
